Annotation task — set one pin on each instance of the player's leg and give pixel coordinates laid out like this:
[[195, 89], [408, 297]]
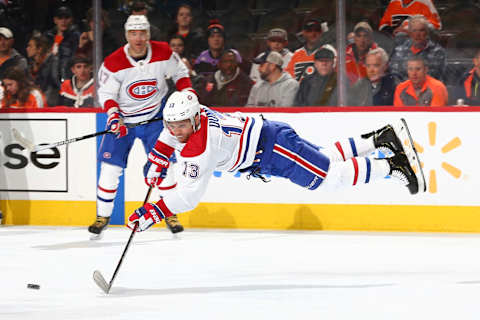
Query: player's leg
[[113, 157], [149, 137], [106, 193], [404, 165], [385, 139], [304, 164]]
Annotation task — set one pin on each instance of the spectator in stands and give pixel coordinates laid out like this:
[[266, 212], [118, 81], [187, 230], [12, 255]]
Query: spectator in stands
[[20, 91], [420, 89], [9, 57], [399, 11], [378, 88], [357, 51], [304, 57], [319, 86], [277, 40], [206, 62], [64, 37], [44, 67], [276, 88], [141, 8], [228, 86], [109, 41], [468, 87], [177, 44], [194, 39], [78, 91], [419, 44]]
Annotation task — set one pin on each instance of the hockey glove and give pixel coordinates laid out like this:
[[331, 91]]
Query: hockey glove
[[145, 216], [116, 126], [155, 170]]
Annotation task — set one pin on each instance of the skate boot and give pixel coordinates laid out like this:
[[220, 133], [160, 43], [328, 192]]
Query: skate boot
[[386, 139], [173, 224], [98, 227], [401, 169]]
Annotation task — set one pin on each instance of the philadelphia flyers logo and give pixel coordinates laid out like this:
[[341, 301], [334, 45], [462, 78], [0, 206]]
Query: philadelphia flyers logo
[[142, 89]]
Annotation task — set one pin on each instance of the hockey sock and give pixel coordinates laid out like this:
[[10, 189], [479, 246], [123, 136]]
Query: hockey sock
[[355, 171], [107, 188], [352, 147]]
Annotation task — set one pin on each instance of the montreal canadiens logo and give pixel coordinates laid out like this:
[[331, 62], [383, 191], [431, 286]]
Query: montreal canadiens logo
[[142, 89]]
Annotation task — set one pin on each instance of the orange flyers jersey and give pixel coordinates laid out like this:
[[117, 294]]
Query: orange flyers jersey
[[400, 10], [36, 99], [299, 62]]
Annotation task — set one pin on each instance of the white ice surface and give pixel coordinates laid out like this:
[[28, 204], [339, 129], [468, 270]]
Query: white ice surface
[[247, 275]]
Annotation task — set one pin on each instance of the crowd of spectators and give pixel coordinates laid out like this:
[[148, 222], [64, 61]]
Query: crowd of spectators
[[398, 59]]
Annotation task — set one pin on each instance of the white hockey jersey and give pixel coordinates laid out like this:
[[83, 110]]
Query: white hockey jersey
[[224, 142], [137, 87]]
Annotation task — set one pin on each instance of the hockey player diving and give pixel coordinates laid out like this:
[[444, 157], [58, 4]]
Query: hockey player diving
[[131, 89], [208, 140]]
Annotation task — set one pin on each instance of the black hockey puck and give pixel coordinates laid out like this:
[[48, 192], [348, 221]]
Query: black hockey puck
[[33, 286]]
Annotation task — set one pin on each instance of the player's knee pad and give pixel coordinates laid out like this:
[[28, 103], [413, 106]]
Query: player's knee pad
[[109, 176]]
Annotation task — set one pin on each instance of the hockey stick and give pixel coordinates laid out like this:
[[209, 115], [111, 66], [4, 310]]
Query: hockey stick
[[24, 142], [97, 275]]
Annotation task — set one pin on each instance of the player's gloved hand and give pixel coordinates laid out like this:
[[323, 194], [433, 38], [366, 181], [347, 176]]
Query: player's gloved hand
[[155, 170], [116, 126], [146, 216]]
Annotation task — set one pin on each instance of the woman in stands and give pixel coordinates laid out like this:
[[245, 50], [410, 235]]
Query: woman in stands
[[19, 91]]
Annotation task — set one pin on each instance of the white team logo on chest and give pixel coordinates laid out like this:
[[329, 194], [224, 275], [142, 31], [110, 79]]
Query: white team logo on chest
[[142, 89]]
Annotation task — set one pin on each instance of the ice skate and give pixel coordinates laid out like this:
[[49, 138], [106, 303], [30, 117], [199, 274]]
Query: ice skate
[[97, 228], [173, 224], [403, 134], [386, 138], [402, 170]]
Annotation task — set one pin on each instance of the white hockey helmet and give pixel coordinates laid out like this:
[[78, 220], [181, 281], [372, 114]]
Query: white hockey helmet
[[181, 105], [137, 22]]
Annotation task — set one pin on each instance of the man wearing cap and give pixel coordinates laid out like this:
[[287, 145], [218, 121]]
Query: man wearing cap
[[277, 88], [357, 51], [277, 40], [207, 62], [64, 37], [78, 91], [303, 57], [9, 57], [378, 88], [319, 85]]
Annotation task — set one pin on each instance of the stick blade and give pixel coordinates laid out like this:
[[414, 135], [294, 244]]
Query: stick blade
[[22, 140], [100, 281]]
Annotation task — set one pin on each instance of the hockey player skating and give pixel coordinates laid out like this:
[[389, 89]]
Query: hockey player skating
[[208, 140], [131, 88]]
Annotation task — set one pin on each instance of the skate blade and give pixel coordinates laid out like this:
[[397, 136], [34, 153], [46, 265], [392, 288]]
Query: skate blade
[[100, 281], [403, 133]]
